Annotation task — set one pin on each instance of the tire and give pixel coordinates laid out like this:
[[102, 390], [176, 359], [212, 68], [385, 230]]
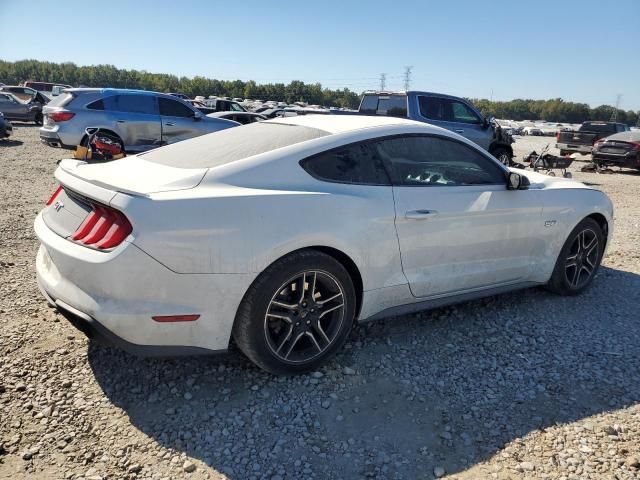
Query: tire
[[578, 255], [503, 156], [273, 314]]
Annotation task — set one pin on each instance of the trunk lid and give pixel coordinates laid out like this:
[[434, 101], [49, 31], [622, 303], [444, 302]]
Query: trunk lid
[[133, 175]]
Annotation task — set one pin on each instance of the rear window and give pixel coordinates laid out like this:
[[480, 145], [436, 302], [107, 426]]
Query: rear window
[[232, 144], [391, 105], [61, 100], [598, 127]]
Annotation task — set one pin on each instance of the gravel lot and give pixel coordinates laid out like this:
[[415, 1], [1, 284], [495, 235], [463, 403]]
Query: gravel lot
[[524, 385]]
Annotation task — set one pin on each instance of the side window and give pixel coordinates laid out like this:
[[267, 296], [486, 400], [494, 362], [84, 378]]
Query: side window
[[432, 108], [462, 113], [172, 108], [369, 104], [349, 164], [437, 162], [5, 99], [133, 104], [97, 105]]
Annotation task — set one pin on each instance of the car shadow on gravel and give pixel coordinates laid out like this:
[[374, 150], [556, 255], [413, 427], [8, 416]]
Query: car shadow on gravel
[[446, 388], [10, 143]]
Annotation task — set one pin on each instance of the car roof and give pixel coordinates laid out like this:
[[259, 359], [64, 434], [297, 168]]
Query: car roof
[[346, 123], [630, 136], [121, 91]]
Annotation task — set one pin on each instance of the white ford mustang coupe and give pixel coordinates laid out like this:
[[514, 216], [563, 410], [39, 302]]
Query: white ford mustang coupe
[[282, 233]]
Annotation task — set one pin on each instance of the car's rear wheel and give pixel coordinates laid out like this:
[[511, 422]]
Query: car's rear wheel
[[579, 259], [296, 314]]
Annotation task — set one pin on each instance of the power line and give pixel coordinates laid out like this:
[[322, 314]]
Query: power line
[[383, 81], [614, 115], [407, 77]]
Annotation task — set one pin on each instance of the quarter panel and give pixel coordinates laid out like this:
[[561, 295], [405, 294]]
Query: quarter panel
[[564, 209], [237, 230]]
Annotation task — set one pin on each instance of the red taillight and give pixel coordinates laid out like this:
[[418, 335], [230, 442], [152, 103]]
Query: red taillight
[[103, 228], [598, 143], [557, 136], [636, 146], [55, 194], [60, 116]]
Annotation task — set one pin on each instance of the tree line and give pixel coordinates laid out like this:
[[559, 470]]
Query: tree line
[[554, 110], [13, 73]]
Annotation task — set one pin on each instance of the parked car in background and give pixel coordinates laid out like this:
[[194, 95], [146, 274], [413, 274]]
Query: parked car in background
[[534, 131], [201, 107], [44, 87], [26, 94], [446, 111], [6, 129], [57, 90], [15, 109], [283, 233], [588, 134], [224, 105], [241, 117], [620, 149], [179, 95], [141, 120]]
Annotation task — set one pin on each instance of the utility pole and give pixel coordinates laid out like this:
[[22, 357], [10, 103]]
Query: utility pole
[[383, 81], [614, 116], [407, 77]]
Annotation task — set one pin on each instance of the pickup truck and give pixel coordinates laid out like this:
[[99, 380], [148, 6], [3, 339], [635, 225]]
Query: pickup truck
[[446, 111], [583, 139]]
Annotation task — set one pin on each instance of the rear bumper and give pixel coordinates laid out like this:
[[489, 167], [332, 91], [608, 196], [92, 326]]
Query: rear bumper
[[112, 296], [629, 160], [52, 138], [585, 149], [6, 129]]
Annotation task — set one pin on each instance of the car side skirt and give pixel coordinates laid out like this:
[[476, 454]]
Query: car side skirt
[[441, 301]]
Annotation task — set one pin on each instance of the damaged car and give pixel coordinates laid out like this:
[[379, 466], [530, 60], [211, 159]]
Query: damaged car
[[283, 233]]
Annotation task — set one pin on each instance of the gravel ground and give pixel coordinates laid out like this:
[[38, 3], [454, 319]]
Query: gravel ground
[[523, 385]]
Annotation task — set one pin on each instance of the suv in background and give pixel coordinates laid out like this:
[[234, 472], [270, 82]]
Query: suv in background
[[141, 120], [446, 111], [224, 105]]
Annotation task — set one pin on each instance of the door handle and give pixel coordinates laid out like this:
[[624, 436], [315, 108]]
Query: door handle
[[170, 124], [120, 121], [420, 214], [459, 130]]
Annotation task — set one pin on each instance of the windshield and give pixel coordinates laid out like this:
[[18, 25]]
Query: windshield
[[598, 127], [232, 144]]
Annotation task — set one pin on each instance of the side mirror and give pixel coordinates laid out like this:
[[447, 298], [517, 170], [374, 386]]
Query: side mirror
[[515, 181], [486, 122], [197, 116]]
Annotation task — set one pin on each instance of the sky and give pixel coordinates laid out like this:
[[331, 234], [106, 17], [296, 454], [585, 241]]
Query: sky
[[579, 50]]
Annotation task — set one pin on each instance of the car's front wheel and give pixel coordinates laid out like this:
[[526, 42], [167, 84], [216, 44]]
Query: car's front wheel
[[296, 314], [579, 259], [503, 156]]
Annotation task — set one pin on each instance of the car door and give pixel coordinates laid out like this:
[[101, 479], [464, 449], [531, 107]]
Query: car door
[[456, 116], [13, 108], [135, 118], [179, 122], [458, 226]]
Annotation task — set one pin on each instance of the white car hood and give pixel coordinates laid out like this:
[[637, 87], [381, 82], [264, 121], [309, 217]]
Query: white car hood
[[134, 175], [540, 181]]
